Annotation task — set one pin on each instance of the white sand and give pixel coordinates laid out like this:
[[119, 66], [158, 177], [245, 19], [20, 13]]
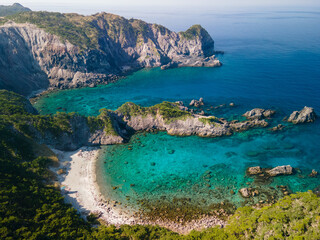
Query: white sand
[[81, 189], [83, 193]]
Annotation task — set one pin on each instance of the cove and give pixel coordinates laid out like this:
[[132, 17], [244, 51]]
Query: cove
[[153, 166], [278, 72]]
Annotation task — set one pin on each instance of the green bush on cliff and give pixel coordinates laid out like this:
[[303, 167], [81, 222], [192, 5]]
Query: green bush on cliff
[[12, 103], [169, 111], [131, 109], [210, 120], [193, 32], [107, 122]]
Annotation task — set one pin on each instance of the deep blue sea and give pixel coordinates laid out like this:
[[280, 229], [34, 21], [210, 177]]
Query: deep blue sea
[[271, 60]]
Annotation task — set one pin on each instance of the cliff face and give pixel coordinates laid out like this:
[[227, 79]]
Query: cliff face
[[79, 135], [193, 125], [70, 50]]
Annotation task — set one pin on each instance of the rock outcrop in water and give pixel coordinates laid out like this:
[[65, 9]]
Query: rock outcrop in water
[[280, 170], [41, 49], [254, 170], [258, 113], [196, 103], [306, 115]]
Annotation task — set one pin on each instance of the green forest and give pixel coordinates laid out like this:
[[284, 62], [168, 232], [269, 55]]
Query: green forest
[[32, 208]]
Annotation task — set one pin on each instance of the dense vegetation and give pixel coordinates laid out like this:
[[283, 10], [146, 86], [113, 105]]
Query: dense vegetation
[[103, 121], [75, 28], [13, 9], [193, 32], [87, 31], [31, 208], [169, 111]]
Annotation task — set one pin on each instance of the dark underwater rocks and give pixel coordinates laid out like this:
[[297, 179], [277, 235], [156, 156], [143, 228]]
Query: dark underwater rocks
[[313, 173], [306, 115], [277, 128]]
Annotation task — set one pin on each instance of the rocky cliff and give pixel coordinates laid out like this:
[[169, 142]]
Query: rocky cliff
[[70, 131], [172, 118], [40, 49]]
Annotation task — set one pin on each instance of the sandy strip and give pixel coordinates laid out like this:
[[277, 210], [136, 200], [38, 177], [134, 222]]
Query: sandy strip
[[82, 191]]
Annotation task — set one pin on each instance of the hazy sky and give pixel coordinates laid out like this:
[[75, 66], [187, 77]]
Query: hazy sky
[[92, 6]]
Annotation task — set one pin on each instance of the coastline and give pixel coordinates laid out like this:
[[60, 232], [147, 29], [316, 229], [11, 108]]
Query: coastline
[[80, 189]]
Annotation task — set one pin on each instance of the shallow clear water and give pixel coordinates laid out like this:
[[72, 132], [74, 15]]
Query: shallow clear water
[[272, 60]]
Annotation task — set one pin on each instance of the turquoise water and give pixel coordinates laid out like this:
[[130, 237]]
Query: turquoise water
[[272, 60]]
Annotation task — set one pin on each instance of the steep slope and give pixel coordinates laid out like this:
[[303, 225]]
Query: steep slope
[[41, 49], [12, 9]]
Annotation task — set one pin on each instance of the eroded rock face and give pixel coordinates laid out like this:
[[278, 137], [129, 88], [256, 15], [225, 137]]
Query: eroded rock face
[[32, 59], [306, 115], [193, 125], [280, 170], [259, 113]]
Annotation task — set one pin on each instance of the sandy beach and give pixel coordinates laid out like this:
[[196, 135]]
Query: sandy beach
[[79, 187]]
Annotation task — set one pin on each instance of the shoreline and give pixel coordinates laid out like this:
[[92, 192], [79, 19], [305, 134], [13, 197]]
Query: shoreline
[[80, 188]]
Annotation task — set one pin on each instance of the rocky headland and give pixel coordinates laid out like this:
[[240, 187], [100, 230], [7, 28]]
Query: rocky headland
[[41, 50], [116, 127]]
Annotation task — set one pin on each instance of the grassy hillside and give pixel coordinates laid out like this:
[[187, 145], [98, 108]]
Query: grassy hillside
[[75, 28], [12, 9], [31, 208], [86, 31]]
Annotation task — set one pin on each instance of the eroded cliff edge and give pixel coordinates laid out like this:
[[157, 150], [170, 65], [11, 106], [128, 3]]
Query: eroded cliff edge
[[41, 50]]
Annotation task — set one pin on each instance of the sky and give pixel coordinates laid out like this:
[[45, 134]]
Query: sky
[[117, 6]]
